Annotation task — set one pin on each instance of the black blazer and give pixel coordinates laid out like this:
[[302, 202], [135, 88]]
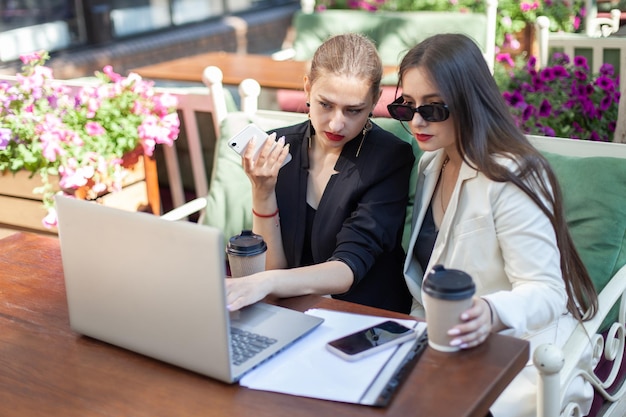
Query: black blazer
[[360, 217]]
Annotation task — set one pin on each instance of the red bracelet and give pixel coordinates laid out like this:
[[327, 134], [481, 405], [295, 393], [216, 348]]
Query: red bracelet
[[265, 216]]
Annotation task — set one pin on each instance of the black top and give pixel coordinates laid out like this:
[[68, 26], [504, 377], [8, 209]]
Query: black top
[[426, 239], [307, 252], [360, 217]]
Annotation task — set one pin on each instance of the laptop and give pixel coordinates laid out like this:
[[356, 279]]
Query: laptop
[[156, 287]]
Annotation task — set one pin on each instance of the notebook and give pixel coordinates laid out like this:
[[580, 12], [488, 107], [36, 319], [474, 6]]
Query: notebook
[[156, 287]]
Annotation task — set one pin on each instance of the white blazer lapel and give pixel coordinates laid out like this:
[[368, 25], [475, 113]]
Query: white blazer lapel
[[465, 173]]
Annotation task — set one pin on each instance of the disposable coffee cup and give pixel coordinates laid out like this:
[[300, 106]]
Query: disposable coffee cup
[[246, 254], [446, 294]]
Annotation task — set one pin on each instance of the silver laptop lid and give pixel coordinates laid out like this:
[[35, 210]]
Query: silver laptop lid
[[146, 284]]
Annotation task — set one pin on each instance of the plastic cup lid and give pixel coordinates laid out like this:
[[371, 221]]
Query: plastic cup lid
[[246, 244], [448, 284]]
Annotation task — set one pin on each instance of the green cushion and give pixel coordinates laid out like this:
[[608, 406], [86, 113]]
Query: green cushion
[[229, 205], [312, 29], [394, 33], [595, 211], [402, 30]]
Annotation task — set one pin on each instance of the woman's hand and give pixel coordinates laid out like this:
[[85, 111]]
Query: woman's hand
[[263, 171], [476, 327], [244, 291]]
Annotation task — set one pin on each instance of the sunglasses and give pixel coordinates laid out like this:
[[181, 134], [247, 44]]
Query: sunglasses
[[435, 112]]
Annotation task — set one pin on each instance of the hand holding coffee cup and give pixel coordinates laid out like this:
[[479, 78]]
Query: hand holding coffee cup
[[446, 294], [246, 254]]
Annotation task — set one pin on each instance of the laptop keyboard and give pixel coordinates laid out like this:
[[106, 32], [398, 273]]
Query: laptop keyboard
[[246, 344]]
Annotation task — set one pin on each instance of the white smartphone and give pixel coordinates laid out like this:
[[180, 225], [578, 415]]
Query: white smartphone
[[371, 340], [239, 142]]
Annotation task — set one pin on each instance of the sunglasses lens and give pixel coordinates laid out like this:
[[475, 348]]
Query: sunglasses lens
[[428, 112], [434, 112], [401, 112]]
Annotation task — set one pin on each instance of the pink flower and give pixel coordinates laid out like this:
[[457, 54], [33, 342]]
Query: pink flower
[[164, 103], [80, 134], [526, 7], [94, 129], [506, 58], [108, 70], [33, 57], [51, 218], [5, 137]]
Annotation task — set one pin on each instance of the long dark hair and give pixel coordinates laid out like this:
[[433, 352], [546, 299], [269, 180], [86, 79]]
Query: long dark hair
[[485, 131]]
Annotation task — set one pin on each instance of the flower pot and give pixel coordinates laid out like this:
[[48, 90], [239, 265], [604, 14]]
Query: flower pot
[[527, 43], [22, 209]]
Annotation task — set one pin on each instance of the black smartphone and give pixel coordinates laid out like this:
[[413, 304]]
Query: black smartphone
[[371, 340]]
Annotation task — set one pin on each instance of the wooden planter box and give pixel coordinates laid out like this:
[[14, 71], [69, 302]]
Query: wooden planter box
[[21, 209]]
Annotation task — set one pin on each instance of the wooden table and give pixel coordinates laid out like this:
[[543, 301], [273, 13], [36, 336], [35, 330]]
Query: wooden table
[[46, 369], [268, 72]]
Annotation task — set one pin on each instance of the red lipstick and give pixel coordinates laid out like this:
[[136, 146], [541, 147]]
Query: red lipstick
[[333, 137], [422, 138]]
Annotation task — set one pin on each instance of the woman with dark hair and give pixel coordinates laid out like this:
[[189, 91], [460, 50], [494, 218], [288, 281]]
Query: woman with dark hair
[[488, 203], [332, 217]]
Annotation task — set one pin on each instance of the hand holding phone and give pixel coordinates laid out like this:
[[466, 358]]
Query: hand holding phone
[[371, 340], [239, 142]]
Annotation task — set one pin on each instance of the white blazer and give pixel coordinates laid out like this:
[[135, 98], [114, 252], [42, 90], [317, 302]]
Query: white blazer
[[502, 239]]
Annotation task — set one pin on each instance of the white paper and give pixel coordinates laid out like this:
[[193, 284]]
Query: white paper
[[308, 369]]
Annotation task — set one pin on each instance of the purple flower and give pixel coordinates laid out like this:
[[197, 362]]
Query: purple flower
[[605, 83], [605, 103], [545, 108], [547, 74], [580, 75], [548, 131], [581, 62], [607, 69], [528, 112], [588, 109], [560, 58], [559, 71], [515, 99]]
